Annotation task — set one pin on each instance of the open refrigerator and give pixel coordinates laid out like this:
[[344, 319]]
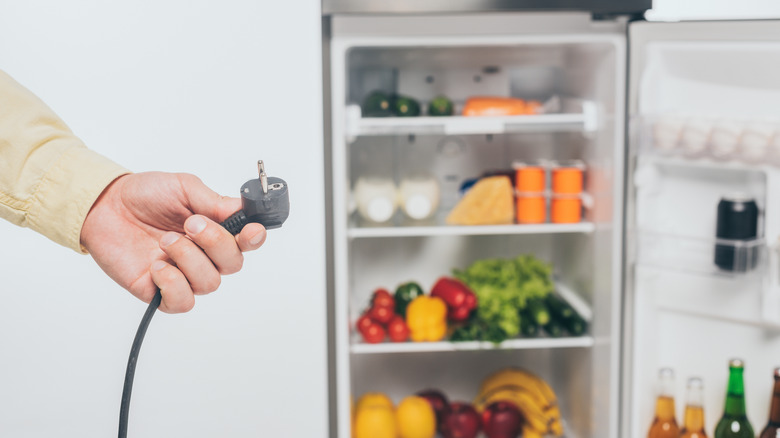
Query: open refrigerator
[[627, 99]]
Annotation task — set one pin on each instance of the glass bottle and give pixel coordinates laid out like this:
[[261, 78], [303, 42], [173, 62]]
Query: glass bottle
[[693, 426], [664, 424], [734, 423], [772, 429]]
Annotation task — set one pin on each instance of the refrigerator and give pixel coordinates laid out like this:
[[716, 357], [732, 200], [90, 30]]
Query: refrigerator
[[666, 119]]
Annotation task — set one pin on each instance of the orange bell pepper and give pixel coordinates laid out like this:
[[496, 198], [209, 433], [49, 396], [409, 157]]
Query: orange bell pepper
[[427, 319]]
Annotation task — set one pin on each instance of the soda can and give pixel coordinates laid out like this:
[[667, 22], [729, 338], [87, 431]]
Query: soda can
[[737, 222]]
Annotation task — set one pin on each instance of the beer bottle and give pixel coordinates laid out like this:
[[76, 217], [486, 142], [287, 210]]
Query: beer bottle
[[693, 426], [734, 423], [664, 424], [772, 429]]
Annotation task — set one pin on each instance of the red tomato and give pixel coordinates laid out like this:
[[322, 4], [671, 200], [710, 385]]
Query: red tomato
[[374, 333], [382, 298], [363, 322], [398, 330], [382, 315]]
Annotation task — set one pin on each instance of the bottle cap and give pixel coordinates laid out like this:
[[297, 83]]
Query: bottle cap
[[777, 373], [695, 383], [736, 363]]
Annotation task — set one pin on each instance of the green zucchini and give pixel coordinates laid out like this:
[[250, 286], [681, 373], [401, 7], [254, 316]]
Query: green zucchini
[[559, 307], [440, 106], [554, 328], [538, 311], [576, 326], [527, 326], [377, 104], [405, 107]]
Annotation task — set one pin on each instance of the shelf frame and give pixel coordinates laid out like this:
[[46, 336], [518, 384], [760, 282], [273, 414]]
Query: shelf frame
[[472, 230], [447, 346]]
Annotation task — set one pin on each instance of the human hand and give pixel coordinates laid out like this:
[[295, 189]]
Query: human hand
[[163, 229]]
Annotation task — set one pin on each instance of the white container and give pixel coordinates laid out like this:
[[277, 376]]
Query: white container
[[376, 199], [419, 197]]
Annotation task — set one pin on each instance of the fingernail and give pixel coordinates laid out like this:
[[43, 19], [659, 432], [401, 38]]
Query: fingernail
[[257, 238], [195, 225], [159, 265], [168, 239]]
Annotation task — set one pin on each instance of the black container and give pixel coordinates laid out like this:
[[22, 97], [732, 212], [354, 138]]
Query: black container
[[738, 221]]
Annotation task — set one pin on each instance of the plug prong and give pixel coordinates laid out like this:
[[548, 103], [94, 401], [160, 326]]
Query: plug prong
[[263, 176]]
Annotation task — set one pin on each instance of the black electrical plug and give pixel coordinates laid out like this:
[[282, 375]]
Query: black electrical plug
[[264, 200]]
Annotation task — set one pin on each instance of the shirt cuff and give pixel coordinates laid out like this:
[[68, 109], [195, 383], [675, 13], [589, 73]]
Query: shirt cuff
[[67, 192]]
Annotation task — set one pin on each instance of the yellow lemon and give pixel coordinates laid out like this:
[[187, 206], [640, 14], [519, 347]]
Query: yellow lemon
[[415, 418], [377, 399], [375, 422]]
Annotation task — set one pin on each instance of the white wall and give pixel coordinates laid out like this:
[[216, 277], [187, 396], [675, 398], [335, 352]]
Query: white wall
[[199, 86]]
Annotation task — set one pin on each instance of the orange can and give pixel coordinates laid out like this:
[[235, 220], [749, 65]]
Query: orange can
[[566, 210], [531, 210], [567, 180], [530, 179]]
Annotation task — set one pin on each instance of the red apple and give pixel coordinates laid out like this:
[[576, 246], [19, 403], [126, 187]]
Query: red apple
[[439, 403], [502, 419], [461, 422]]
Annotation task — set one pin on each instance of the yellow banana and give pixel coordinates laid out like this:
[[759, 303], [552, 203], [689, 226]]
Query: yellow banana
[[557, 427], [516, 376], [525, 402], [530, 432]]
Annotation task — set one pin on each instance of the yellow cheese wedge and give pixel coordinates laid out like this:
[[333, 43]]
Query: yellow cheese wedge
[[489, 202]]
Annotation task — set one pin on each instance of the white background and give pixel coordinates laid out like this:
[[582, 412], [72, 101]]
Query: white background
[[199, 86], [204, 87]]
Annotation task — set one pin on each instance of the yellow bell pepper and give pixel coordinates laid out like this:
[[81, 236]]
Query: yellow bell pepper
[[427, 319]]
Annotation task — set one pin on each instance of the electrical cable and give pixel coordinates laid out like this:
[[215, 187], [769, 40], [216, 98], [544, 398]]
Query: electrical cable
[[264, 200], [124, 409], [233, 224]]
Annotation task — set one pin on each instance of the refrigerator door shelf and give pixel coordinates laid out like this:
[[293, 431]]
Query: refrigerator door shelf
[[716, 141], [445, 346]]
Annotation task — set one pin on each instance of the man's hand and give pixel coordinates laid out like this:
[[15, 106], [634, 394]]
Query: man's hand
[[163, 228]]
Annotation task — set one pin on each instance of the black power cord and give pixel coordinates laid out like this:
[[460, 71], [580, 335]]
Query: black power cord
[[266, 201]]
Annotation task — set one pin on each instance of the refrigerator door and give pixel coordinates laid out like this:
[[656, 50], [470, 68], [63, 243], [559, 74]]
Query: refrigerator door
[[704, 125]]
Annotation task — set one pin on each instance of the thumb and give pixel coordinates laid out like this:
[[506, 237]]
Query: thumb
[[203, 200]]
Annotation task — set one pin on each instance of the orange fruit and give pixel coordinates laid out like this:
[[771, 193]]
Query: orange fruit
[[415, 418]]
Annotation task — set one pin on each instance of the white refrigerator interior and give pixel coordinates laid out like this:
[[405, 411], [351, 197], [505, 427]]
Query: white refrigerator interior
[[704, 125], [566, 57]]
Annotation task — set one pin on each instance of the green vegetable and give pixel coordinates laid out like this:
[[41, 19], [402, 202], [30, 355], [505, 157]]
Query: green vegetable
[[558, 307], [377, 104], [477, 331], [405, 107], [554, 328], [527, 326], [440, 106], [503, 288], [538, 311], [575, 325], [404, 295]]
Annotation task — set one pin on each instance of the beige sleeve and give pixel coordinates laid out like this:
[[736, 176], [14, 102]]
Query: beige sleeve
[[48, 178]]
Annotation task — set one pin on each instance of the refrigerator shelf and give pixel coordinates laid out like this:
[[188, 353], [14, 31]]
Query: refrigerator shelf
[[472, 230], [512, 344], [585, 121]]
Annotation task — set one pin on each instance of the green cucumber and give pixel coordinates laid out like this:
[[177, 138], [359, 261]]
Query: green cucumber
[[554, 328], [405, 107], [377, 104], [576, 326], [527, 326], [440, 106], [538, 311], [559, 307]]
